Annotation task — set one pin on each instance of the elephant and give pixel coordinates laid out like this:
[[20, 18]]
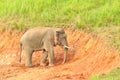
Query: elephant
[[45, 39]]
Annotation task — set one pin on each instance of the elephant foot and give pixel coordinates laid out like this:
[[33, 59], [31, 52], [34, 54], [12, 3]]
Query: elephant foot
[[42, 64], [63, 62], [29, 65], [51, 65]]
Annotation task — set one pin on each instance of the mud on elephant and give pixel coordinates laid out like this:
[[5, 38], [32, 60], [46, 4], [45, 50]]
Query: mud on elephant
[[43, 39]]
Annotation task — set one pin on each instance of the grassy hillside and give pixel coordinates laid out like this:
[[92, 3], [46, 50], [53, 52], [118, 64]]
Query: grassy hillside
[[100, 16], [80, 13]]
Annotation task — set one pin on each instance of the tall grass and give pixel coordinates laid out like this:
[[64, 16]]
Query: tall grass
[[80, 13]]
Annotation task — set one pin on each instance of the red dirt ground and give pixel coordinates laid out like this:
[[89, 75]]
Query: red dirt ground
[[87, 55]]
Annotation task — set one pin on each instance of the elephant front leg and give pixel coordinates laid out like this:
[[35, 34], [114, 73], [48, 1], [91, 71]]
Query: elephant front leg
[[49, 49], [44, 58], [51, 57], [29, 58]]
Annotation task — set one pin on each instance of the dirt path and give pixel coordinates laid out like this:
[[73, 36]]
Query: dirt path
[[87, 55]]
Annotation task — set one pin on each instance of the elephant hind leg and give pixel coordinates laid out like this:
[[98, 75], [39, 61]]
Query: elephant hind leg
[[43, 58], [28, 58]]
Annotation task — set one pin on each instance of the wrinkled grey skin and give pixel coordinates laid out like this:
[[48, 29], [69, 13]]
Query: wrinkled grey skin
[[43, 39]]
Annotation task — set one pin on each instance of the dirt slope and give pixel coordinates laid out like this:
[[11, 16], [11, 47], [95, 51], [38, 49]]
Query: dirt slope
[[87, 55]]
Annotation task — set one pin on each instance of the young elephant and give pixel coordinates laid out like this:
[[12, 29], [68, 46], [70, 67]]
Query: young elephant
[[43, 39]]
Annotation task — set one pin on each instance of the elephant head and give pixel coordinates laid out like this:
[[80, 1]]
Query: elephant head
[[62, 41]]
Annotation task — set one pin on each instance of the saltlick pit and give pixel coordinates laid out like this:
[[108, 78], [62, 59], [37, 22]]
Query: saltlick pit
[[87, 55]]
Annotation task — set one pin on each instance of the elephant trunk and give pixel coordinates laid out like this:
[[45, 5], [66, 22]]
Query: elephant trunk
[[65, 53]]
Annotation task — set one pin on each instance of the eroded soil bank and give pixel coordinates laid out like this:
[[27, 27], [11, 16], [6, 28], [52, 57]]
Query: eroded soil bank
[[87, 55]]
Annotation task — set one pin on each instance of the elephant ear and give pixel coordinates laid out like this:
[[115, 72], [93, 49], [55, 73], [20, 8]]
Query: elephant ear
[[57, 34], [57, 37]]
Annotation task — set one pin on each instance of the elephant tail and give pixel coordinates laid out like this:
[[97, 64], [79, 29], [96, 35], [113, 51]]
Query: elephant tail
[[20, 52]]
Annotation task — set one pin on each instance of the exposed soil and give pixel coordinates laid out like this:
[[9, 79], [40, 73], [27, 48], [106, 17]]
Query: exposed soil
[[87, 55]]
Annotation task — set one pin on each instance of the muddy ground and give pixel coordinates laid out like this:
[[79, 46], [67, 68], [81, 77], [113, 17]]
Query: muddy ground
[[87, 55]]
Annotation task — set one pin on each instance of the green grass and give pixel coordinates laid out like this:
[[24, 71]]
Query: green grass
[[113, 75], [79, 13]]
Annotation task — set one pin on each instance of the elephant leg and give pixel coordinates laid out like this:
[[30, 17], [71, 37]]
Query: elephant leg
[[49, 48], [43, 58], [51, 57], [29, 58]]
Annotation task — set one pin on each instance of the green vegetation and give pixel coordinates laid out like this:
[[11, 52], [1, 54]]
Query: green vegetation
[[79, 13], [113, 75], [100, 16]]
